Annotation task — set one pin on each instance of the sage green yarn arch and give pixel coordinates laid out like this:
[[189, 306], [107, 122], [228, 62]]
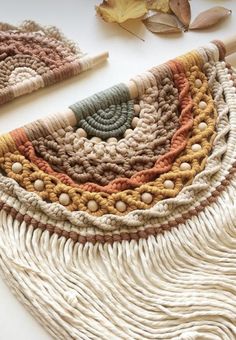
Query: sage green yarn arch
[[106, 114]]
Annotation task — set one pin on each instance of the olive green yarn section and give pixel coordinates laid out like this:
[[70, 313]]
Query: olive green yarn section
[[106, 114]]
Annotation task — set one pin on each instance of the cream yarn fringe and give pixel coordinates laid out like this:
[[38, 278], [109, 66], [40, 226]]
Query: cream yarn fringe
[[179, 286]]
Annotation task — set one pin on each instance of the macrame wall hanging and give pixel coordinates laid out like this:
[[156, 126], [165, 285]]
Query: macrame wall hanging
[[33, 56], [118, 217]]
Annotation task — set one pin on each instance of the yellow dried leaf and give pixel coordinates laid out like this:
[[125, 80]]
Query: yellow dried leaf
[[158, 5], [121, 10]]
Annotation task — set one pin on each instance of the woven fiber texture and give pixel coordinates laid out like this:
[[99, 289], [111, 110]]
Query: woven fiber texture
[[123, 225], [33, 56]]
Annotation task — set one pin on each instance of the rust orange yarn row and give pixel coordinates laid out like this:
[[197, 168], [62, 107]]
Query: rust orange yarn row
[[185, 167], [162, 165]]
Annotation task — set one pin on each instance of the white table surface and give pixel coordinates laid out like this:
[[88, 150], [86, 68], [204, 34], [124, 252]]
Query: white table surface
[[128, 56]]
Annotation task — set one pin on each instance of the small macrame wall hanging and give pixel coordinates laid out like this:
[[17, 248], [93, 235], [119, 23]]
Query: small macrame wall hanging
[[118, 217], [33, 56]]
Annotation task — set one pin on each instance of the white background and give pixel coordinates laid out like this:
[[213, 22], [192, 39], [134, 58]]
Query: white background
[[128, 57]]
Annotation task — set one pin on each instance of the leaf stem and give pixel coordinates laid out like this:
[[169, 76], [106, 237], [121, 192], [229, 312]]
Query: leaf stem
[[134, 34]]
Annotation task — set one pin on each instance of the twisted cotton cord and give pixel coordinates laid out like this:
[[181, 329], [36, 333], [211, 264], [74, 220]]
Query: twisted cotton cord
[[46, 126], [6, 27], [221, 48], [144, 81], [86, 63], [69, 231], [131, 290], [161, 71], [27, 86], [6, 144], [55, 191], [165, 160], [51, 31], [109, 277], [211, 51], [33, 56], [130, 222], [159, 134], [200, 56], [114, 95], [187, 199]]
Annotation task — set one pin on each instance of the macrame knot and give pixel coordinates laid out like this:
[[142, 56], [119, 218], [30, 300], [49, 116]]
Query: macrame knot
[[189, 336], [71, 297]]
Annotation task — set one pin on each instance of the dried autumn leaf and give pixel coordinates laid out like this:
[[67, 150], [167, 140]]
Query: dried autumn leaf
[[182, 9], [158, 5], [121, 10], [210, 17], [162, 23]]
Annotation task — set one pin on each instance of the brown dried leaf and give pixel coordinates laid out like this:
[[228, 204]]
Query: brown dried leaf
[[162, 23], [121, 10], [182, 9], [158, 5], [210, 17]]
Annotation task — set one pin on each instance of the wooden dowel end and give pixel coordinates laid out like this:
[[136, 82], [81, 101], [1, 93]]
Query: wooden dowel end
[[100, 58], [230, 45]]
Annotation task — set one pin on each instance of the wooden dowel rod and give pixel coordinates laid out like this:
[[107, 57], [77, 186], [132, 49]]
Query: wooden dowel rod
[[89, 61], [99, 58], [230, 45]]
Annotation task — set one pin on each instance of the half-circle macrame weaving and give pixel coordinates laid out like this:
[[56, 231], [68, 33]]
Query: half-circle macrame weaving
[[33, 56], [122, 226]]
